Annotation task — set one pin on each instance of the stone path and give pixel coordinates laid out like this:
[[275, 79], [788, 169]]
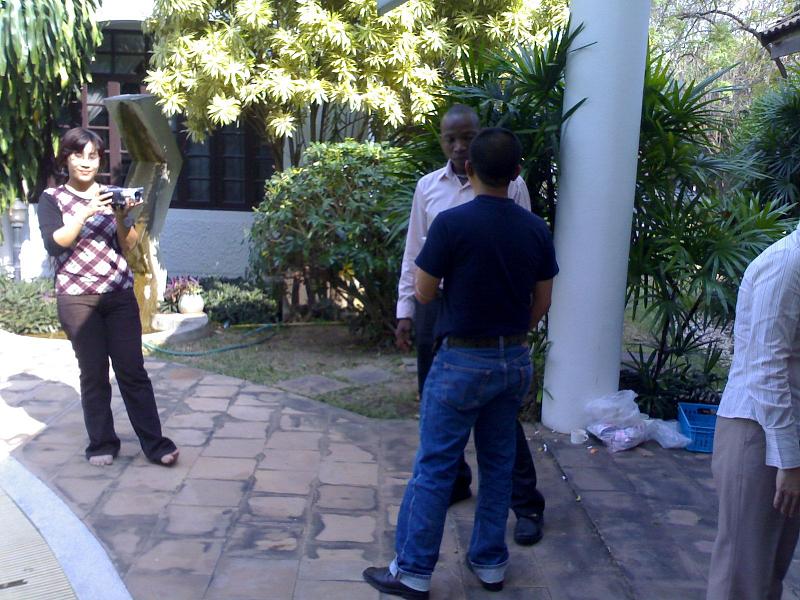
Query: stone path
[[277, 496]]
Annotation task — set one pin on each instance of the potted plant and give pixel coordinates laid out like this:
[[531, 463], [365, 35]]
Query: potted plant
[[184, 295]]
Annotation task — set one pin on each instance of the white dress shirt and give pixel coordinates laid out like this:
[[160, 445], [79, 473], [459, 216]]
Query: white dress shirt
[[436, 192], [764, 379]]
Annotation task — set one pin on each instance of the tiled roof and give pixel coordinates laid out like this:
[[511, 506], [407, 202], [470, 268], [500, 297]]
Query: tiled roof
[[786, 25]]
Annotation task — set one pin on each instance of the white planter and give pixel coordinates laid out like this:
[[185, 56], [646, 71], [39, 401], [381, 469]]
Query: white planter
[[190, 303]]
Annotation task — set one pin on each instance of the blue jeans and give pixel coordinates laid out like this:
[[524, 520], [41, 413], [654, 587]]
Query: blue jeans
[[466, 388]]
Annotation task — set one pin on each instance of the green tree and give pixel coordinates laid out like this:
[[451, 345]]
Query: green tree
[[45, 50], [700, 37], [316, 70]]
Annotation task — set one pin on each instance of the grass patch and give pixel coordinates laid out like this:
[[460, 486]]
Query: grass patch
[[310, 349], [383, 401]]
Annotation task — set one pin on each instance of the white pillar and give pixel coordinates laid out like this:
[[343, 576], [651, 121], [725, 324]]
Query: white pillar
[[595, 205]]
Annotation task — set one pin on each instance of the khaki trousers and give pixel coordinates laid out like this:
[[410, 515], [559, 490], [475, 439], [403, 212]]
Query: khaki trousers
[[755, 543]]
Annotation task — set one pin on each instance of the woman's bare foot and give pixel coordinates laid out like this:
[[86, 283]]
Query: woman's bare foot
[[170, 459], [101, 460]]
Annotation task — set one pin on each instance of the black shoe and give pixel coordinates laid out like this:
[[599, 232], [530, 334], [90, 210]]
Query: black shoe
[[528, 530], [492, 587], [459, 494], [383, 581]]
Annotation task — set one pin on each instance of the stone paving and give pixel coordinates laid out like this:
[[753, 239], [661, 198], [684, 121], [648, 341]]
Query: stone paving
[[278, 496]]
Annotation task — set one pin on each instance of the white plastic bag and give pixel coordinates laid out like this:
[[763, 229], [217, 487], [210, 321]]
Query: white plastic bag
[[618, 438], [666, 433], [619, 408], [616, 420]]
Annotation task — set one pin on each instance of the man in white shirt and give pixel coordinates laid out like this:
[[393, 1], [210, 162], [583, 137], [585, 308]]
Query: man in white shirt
[[756, 462], [437, 191]]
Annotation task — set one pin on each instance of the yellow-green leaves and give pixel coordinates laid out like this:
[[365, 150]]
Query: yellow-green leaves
[[282, 125], [254, 13], [223, 111], [274, 63]]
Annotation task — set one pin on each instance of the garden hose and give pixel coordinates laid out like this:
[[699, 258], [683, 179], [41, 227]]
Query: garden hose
[[273, 326]]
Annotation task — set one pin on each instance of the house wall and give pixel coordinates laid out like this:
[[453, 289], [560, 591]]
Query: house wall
[[193, 242], [206, 242]]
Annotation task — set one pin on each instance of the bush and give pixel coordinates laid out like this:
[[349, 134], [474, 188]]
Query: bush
[[235, 301], [28, 307], [336, 226]]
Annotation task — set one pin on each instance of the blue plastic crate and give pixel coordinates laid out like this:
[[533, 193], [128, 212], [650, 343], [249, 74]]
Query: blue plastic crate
[[697, 422]]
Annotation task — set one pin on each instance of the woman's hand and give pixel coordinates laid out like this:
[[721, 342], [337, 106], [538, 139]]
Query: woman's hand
[[122, 211], [98, 204]]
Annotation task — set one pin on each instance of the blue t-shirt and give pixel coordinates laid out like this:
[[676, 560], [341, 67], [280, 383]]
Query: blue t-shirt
[[490, 254]]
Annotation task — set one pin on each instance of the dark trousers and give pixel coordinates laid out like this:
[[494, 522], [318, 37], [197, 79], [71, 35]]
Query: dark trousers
[[103, 326], [526, 499]]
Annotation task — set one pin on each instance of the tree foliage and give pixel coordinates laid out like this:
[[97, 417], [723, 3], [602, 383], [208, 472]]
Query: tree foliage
[[299, 71], [45, 50], [700, 37]]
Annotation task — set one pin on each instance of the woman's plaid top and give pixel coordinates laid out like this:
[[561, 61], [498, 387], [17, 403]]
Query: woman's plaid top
[[95, 264]]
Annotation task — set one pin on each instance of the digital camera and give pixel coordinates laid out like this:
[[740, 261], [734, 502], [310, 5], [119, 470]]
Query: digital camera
[[122, 194]]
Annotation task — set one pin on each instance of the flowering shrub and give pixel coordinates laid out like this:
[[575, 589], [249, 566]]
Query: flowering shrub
[[177, 287]]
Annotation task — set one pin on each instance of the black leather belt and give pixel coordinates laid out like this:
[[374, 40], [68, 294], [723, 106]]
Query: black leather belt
[[455, 341]]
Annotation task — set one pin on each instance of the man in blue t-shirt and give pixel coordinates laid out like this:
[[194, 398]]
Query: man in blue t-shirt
[[497, 262]]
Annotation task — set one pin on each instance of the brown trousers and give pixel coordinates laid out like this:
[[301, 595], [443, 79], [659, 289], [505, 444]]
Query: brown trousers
[[755, 543]]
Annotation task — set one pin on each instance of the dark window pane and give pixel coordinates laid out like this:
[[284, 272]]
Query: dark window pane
[[234, 192], [199, 190], [264, 164], [197, 166], [129, 42], [105, 45], [101, 64], [195, 149], [233, 144], [234, 168], [128, 64], [130, 88], [98, 116]]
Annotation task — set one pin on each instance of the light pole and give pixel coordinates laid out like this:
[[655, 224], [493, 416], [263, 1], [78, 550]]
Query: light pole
[[19, 212]]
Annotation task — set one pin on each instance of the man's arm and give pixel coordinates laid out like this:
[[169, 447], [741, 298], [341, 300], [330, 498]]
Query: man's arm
[[774, 320], [425, 286], [542, 295], [415, 237], [518, 192]]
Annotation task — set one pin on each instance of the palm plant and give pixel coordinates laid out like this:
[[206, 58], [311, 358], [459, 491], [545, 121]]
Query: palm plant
[[693, 236], [522, 89]]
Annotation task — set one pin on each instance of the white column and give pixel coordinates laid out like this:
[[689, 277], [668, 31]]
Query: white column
[[595, 204]]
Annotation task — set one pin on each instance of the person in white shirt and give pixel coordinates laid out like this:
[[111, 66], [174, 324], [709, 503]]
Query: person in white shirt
[[437, 191], [756, 461]]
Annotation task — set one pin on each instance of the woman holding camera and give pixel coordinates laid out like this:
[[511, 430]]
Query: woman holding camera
[[88, 238]]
